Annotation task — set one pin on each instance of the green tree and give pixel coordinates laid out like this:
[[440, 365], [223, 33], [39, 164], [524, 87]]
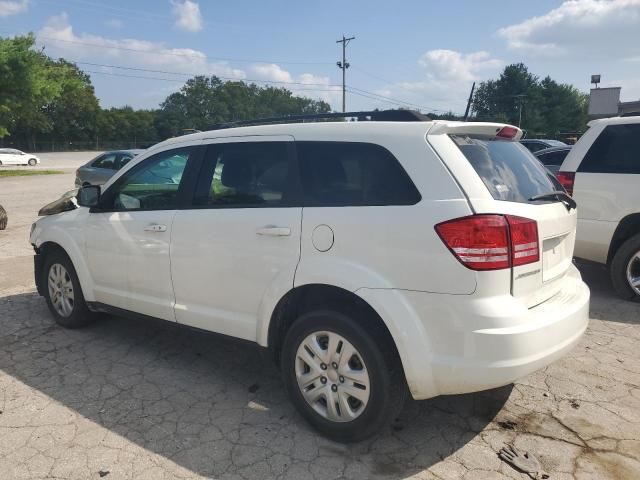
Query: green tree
[[205, 101], [542, 107]]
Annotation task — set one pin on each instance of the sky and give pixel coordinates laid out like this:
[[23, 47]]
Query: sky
[[414, 53]]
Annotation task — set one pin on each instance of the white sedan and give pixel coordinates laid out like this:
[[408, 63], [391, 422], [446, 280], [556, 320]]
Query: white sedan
[[11, 156]]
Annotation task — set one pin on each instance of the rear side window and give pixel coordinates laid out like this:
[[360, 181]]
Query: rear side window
[[342, 174], [250, 174], [616, 150], [553, 158], [106, 161], [507, 168]]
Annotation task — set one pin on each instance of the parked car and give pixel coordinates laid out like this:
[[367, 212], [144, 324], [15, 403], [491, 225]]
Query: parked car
[[552, 157], [100, 169], [429, 268], [535, 144], [603, 173], [11, 156]]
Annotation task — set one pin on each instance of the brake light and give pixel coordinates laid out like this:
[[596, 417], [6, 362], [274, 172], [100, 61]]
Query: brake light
[[524, 240], [567, 179], [491, 242], [507, 132]]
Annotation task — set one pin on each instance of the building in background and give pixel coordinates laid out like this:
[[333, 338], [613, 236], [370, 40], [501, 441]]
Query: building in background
[[605, 102]]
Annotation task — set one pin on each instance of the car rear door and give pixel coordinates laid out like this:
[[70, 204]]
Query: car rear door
[[503, 178], [234, 251]]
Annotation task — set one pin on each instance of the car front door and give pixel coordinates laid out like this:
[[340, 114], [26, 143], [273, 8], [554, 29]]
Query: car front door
[[235, 250], [128, 236]]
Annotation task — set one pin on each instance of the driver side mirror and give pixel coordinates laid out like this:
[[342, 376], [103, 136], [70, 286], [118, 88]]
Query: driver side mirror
[[89, 196]]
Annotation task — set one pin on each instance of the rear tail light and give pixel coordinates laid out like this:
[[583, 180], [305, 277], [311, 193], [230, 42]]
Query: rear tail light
[[567, 179], [491, 242], [507, 132]]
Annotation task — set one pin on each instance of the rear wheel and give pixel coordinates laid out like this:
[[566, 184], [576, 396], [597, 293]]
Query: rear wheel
[[339, 377], [3, 218], [32, 162], [63, 293], [625, 269]]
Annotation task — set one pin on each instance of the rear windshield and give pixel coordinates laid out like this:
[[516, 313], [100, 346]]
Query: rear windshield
[[508, 169]]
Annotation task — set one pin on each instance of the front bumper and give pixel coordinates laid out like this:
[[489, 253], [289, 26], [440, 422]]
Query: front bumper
[[494, 357]]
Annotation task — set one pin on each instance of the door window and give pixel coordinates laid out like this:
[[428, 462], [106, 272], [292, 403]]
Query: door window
[[616, 150], [250, 174], [352, 174], [153, 186], [105, 161]]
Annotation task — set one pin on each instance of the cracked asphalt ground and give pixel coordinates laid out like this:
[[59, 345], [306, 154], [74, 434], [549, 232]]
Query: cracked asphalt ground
[[128, 399]]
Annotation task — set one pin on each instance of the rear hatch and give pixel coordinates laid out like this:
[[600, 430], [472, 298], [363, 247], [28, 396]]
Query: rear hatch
[[513, 178]]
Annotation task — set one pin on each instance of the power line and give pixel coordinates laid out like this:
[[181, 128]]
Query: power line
[[395, 101], [191, 74], [173, 80]]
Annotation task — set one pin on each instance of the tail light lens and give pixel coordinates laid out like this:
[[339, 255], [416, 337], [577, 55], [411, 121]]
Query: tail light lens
[[491, 242], [566, 179]]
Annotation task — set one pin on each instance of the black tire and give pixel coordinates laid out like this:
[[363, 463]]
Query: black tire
[[3, 218], [388, 388], [80, 315], [618, 268], [32, 162]]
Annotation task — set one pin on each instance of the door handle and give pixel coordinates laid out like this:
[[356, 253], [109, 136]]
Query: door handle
[[154, 227], [272, 231]]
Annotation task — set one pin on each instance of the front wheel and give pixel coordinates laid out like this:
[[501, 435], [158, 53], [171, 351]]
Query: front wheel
[[63, 293], [340, 376], [625, 269], [32, 162]]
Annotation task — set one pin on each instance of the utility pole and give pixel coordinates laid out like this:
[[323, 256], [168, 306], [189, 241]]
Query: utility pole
[[520, 99], [343, 65], [466, 112]]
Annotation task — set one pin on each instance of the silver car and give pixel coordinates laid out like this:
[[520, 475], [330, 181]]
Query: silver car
[[100, 169]]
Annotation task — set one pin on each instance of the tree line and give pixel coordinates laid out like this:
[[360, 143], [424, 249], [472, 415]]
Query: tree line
[[50, 104]]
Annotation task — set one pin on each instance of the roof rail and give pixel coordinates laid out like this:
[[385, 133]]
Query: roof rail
[[374, 115]]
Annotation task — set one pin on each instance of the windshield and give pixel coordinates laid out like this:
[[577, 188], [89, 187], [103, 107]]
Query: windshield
[[507, 168]]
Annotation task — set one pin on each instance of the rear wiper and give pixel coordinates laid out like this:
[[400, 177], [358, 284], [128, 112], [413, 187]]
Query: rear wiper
[[556, 195]]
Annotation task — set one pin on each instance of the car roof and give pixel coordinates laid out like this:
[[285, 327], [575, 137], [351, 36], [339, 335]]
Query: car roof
[[331, 130], [615, 120], [559, 148]]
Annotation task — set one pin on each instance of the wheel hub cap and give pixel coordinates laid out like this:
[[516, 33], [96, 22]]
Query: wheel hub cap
[[61, 290], [340, 391]]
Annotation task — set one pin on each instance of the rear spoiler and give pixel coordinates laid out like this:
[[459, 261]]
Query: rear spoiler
[[499, 130]]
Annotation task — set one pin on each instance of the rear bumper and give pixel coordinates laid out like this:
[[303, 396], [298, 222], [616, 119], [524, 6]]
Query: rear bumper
[[538, 336]]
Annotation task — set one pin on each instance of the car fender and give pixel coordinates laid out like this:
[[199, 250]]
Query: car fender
[[65, 230]]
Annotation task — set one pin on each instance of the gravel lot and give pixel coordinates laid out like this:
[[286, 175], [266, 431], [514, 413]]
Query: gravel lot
[[126, 399]]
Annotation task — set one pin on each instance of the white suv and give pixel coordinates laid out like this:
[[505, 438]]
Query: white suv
[[602, 172], [372, 258]]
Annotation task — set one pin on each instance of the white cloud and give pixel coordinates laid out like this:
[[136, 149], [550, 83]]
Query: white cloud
[[580, 29], [187, 15], [114, 23], [61, 40], [12, 7], [306, 84], [448, 76]]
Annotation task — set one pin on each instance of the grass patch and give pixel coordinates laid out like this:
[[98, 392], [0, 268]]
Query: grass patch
[[27, 173]]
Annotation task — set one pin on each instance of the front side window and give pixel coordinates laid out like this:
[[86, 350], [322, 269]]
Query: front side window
[[153, 186], [352, 174], [105, 161], [507, 168], [250, 174], [616, 150]]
